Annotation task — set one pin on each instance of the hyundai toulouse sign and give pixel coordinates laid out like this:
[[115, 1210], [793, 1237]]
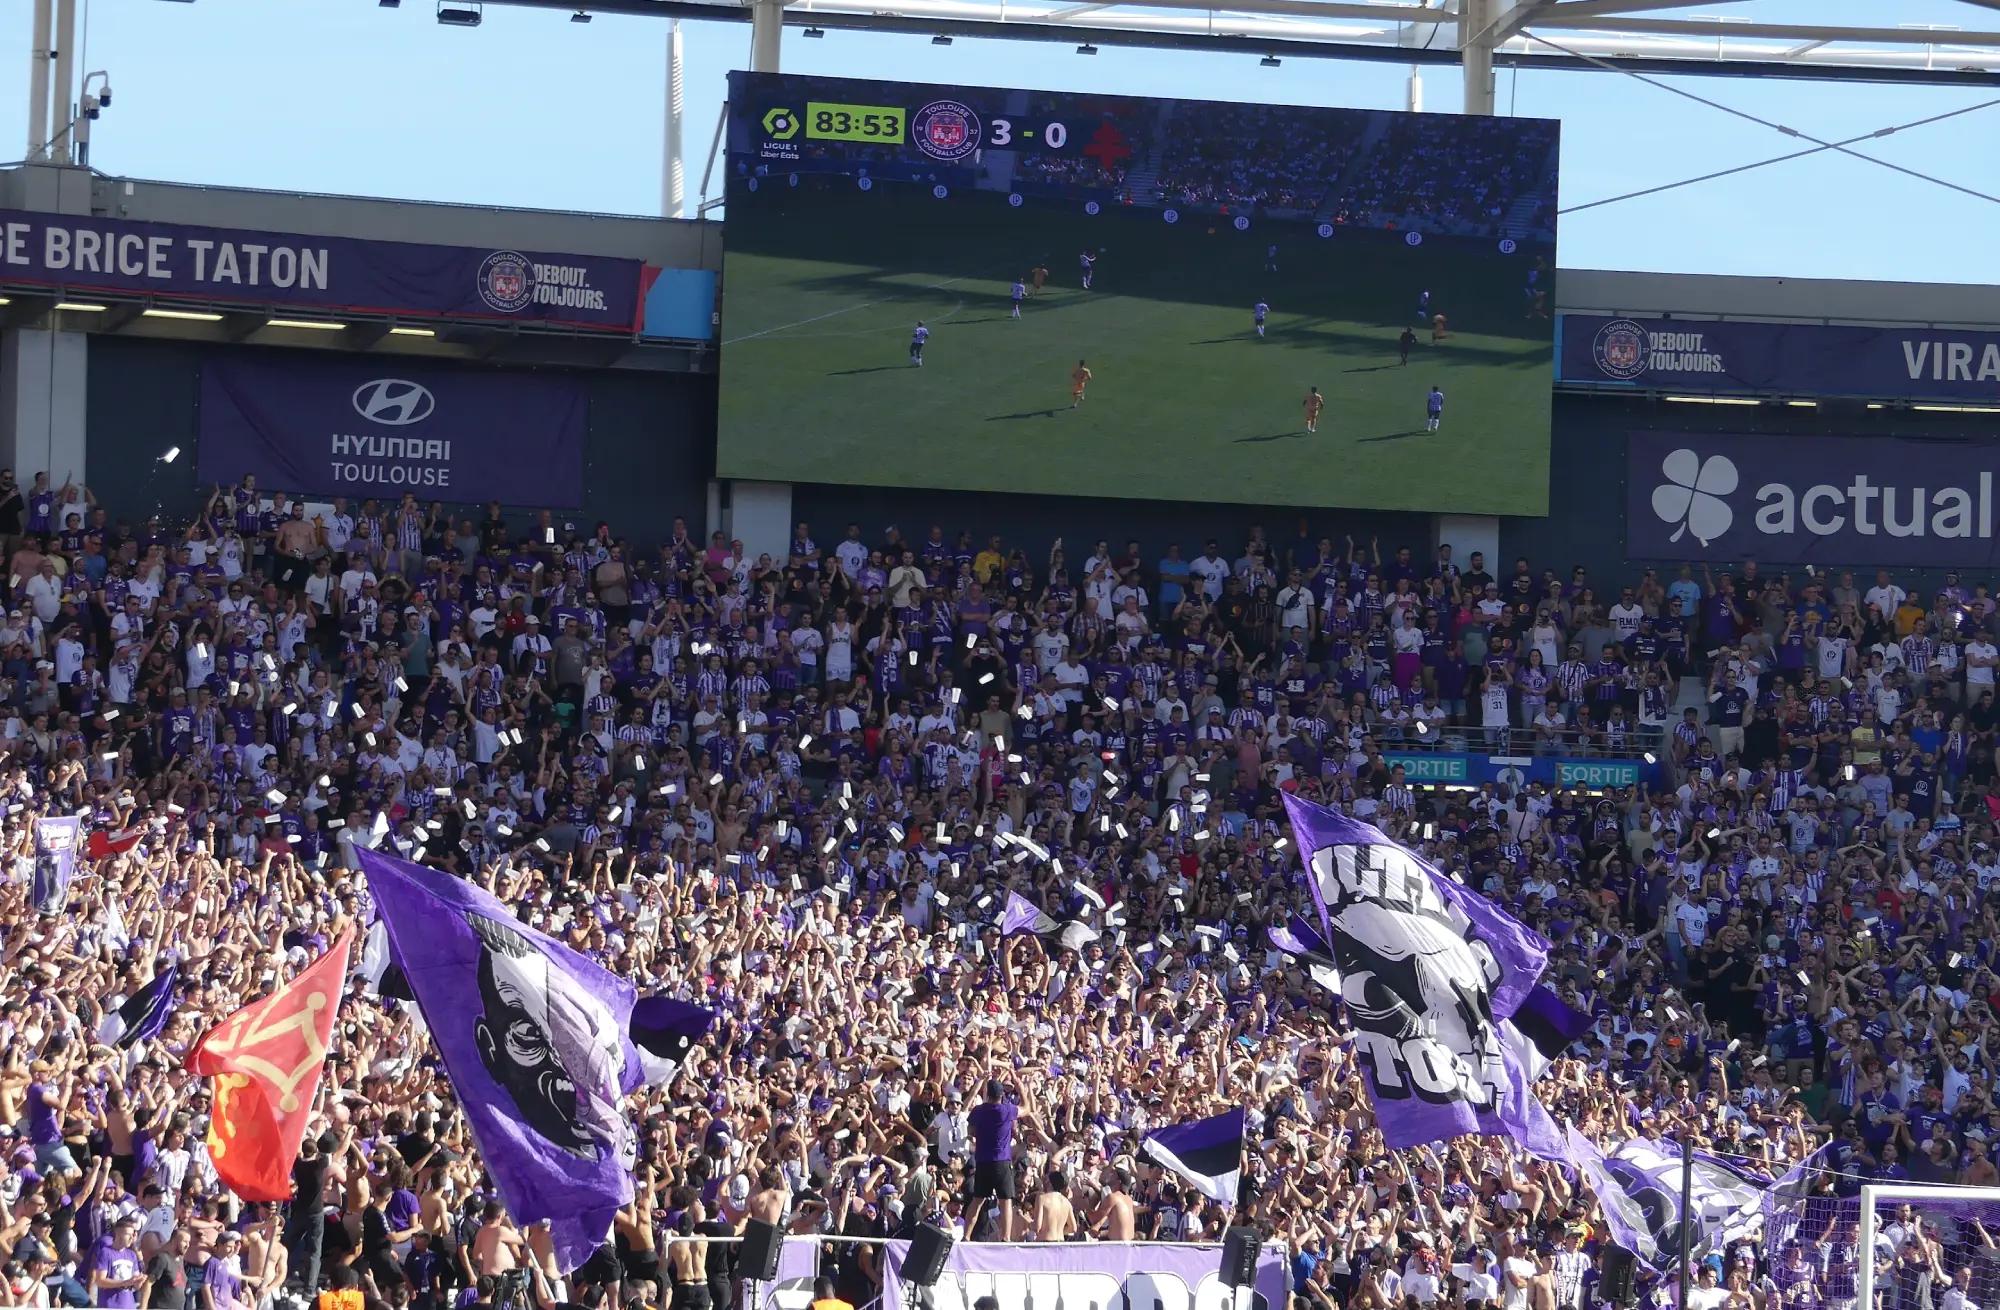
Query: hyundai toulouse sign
[[373, 429], [1811, 500]]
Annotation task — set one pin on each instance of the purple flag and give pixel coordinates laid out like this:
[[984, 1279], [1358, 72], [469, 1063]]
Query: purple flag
[[1207, 1152], [144, 1014], [664, 1030], [1297, 937], [57, 843], [533, 1036], [1429, 973], [1622, 1213], [1639, 1185], [1542, 1029], [1021, 915]]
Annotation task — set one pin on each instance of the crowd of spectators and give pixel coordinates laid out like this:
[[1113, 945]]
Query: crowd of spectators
[[1080, 160], [793, 788], [1459, 175], [1269, 156]]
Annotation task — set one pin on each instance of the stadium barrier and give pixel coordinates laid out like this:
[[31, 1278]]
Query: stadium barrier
[[1039, 1275]]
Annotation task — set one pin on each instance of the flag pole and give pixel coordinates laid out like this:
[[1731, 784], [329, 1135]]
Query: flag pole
[[1687, 1217]]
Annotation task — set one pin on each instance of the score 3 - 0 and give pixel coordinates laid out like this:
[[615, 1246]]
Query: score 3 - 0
[[1002, 134]]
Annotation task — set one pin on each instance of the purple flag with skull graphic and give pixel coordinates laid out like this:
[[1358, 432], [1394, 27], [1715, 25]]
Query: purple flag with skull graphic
[[1430, 975], [535, 1039]]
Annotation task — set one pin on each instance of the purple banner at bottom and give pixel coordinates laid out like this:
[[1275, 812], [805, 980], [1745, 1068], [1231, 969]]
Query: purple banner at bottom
[[1091, 1276]]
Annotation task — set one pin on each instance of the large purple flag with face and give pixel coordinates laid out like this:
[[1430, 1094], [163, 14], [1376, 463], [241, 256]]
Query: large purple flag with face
[[534, 1037], [1429, 974]]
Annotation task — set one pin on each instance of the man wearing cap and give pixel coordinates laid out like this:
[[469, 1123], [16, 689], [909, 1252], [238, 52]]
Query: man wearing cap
[[1572, 1263], [1476, 1284]]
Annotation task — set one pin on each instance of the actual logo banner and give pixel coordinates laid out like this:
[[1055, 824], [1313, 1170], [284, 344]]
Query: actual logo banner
[[1804, 359], [380, 427], [329, 274], [1811, 500]]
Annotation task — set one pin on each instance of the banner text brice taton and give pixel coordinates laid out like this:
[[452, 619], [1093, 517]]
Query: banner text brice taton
[[130, 254]]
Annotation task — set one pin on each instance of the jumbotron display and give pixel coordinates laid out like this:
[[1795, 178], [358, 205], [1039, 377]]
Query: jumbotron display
[[1080, 294]]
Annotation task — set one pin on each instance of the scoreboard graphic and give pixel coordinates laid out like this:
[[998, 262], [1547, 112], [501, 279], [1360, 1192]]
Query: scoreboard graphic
[[1072, 293], [944, 128]]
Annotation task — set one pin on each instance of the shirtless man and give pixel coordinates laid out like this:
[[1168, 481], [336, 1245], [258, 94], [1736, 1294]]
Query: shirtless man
[[1053, 1218], [1542, 1285], [687, 1262], [1113, 1218], [771, 1199], [263, 1260], [497, 1248]]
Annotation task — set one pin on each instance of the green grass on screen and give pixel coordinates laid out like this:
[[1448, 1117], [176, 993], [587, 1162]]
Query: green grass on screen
[[824, 283]]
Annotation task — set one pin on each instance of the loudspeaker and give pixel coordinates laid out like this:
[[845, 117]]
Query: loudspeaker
[[757, 1258], [1239, 1257], [924, 1264], [1615, 1280]]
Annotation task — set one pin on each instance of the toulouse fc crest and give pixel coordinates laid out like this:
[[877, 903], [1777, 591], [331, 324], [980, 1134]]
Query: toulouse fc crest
[[946, 129], [1620, 349], [506, 282]]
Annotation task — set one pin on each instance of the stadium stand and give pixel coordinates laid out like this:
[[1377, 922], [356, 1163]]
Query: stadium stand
[[791, 789]]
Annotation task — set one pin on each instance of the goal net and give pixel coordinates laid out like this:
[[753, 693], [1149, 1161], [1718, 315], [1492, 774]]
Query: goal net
[[1896, 1247]]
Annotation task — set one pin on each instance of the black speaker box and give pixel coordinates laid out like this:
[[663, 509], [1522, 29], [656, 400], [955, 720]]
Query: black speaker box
[[1615, 1280], [757, 1259], [924, 1265], [1239, 1257]]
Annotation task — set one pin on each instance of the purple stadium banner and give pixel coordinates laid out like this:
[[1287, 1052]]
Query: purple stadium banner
[[1156, 1276], [294, 271], [381, 427], [1811, 500], [1792, 359]]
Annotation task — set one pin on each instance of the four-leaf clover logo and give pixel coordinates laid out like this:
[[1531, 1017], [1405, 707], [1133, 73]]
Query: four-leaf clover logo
[[1692, 494]]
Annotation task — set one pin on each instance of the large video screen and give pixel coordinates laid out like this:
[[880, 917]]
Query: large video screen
[[1026, 291]]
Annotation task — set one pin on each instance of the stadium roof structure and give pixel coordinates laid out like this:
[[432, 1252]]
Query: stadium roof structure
[[1744, 38]]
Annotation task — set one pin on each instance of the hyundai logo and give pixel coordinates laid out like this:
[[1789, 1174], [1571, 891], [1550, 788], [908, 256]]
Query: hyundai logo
[[393, 402]]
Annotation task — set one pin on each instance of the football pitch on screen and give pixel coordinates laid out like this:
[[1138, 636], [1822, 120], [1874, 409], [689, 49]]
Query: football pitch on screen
[[1185, 401]]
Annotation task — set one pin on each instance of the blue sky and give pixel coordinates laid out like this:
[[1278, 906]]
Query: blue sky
[[533, 110]]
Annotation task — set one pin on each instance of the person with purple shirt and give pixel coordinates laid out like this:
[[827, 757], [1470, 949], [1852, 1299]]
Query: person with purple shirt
[[992, 1124], [222, 1276], [116, 1272], [46, 1097]]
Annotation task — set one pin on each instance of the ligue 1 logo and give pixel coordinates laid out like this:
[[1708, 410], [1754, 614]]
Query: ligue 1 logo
[[781, 124], [506, 282], [946, 130], [1620, 349]]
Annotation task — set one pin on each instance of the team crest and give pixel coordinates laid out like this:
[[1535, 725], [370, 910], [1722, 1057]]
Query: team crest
[[506, 282], [1620, 349], [946, 129]]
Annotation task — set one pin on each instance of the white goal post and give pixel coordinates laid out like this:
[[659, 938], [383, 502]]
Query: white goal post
[[1947, 1214]]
